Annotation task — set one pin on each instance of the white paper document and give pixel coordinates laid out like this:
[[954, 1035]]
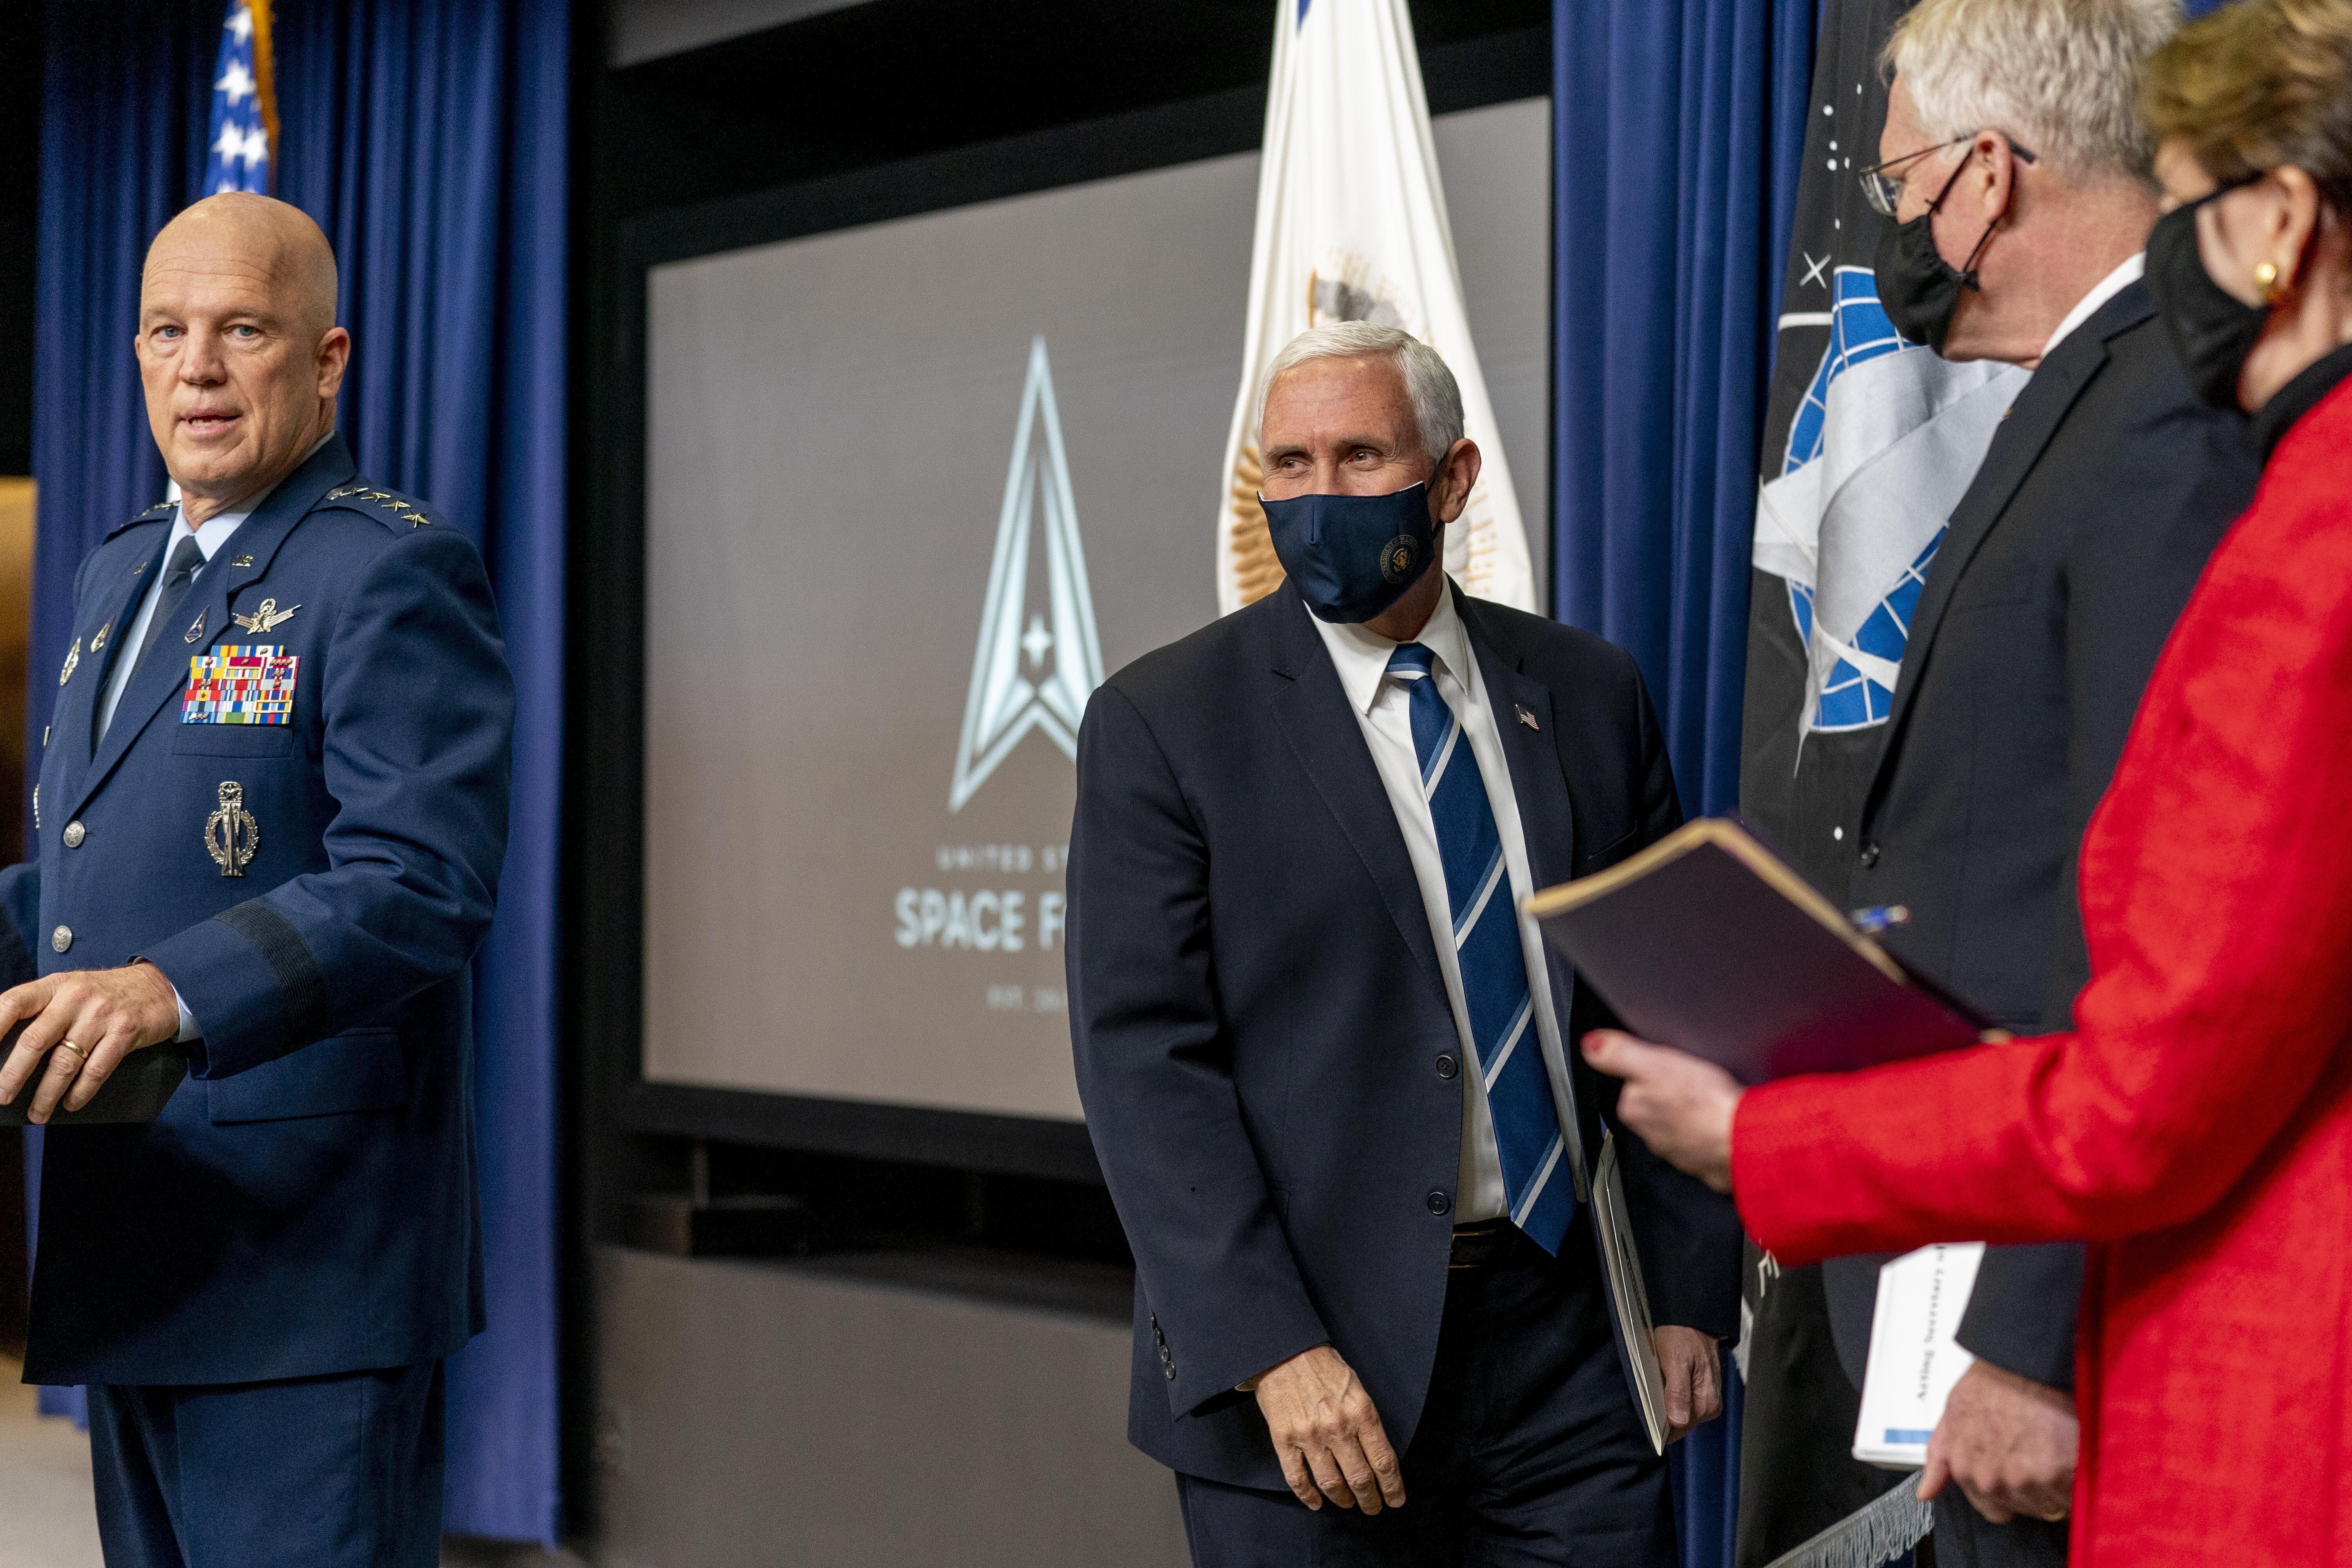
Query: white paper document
[[1914, 1359], [1628, 1293]]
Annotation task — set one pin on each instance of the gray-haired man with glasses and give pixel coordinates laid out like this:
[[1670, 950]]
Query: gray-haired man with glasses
[[2014, 175]]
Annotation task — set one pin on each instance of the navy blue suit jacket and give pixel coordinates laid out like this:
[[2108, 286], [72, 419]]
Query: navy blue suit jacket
[[1257, 1011], [305, 1203], [2070, 555]]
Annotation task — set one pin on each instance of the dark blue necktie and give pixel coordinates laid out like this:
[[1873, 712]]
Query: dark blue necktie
[[1542, 1192], [178, 572]]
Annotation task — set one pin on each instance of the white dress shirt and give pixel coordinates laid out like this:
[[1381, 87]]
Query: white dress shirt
[[1382, 712], [2127, 273]]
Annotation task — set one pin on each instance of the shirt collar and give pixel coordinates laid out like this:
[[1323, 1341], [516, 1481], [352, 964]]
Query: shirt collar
[[2126, 274], [209, 534], [2298, 397], [213, 531], [1361, 655]]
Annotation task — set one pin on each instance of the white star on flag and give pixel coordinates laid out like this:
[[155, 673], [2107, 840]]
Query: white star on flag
[[242, 110]]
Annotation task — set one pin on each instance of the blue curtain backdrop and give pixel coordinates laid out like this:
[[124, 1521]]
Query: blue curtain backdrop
[[1678, 129], [428, 138]]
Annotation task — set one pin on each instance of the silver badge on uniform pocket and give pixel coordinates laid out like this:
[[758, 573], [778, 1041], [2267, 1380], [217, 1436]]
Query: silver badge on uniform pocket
[[231, 833]]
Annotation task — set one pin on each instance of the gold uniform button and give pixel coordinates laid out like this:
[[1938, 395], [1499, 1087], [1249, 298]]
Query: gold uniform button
[[75, 834], [61, 938]]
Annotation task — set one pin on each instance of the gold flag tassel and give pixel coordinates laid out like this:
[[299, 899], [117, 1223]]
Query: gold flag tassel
[[1256, 570], [265, 79]]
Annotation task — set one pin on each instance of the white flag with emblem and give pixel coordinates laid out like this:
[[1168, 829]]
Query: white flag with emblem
[[1352, 227]]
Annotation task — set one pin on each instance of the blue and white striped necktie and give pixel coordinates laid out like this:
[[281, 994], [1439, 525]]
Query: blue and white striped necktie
[[1493, 965]]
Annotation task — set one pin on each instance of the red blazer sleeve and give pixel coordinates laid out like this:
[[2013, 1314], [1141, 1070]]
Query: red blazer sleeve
[[2217, 895]]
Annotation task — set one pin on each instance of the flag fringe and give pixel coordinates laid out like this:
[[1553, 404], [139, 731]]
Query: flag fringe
[[1875, 1533]]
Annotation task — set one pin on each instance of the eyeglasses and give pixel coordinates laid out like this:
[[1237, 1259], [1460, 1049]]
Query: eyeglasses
[[1883, 194]]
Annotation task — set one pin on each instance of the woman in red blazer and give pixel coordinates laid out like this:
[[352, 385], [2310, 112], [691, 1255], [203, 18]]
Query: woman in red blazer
[[2197, 1129]]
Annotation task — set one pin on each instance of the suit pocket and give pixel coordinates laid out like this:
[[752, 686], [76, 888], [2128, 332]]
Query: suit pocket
[[360, 1070], [1609, 853], [234, 740], [2006, 580]]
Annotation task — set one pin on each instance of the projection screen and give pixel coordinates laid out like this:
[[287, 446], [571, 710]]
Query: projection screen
[[912, 489]]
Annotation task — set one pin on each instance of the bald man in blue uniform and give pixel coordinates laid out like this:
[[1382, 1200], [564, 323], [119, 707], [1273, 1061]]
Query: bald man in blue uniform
[[271, 813]]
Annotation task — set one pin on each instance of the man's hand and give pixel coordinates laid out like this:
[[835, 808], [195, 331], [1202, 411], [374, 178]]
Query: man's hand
[[1680, 1106], [1693, 1378], [85, 1022], [1327, 1435], [2009, 1441]]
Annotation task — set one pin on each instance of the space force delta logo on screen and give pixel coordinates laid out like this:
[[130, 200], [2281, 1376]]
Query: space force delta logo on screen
[[1004, 703], [1033, 670]]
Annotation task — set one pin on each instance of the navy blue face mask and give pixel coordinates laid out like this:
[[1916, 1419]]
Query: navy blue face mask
[[1353, 556]]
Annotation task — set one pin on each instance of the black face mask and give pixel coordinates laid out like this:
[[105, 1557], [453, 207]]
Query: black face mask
[[2213, 329], [1918, 288], [1353, 556]]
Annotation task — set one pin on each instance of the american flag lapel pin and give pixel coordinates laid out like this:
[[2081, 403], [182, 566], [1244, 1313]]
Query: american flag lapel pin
[[1526, 717]]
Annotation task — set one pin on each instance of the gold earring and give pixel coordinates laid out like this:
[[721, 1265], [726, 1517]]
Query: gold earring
[[2266, 279]]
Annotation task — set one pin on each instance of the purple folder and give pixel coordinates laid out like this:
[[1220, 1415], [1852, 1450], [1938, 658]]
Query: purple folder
[[1708, 941]]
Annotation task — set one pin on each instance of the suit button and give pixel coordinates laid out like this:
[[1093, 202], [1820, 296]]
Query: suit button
[[1441, 1203], [61, 938], [74, 834], [1869, 856], [1445, 1065], [1171, 1375]]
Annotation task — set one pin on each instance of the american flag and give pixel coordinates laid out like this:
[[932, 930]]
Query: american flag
[[245, 113]]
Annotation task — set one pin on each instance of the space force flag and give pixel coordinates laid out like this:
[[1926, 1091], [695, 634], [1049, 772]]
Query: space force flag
[[244, 103], [1869, 442], [1352, 227]]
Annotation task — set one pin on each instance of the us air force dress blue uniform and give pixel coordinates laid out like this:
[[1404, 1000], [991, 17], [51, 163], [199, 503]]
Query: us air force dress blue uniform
[[260, 1286]]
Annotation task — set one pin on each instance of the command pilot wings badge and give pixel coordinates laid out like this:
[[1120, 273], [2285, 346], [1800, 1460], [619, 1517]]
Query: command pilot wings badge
[[266, 617], [1011, 694]]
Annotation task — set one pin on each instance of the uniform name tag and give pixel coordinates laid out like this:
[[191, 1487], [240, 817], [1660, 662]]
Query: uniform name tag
[[252, 684]]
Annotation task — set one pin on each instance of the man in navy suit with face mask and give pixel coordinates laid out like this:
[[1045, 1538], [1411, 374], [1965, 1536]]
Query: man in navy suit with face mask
[[1322, 1053]]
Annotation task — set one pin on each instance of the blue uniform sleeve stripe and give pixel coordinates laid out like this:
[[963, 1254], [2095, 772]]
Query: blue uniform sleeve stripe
[[299, 981]]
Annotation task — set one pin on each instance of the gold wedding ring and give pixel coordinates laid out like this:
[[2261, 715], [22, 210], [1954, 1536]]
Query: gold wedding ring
[[77, 1050]]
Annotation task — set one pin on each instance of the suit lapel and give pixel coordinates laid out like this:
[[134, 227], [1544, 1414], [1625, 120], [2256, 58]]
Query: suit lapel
[[1546, 821], [78, 725], [203, 616], [2017, 446], [1315, 717]]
